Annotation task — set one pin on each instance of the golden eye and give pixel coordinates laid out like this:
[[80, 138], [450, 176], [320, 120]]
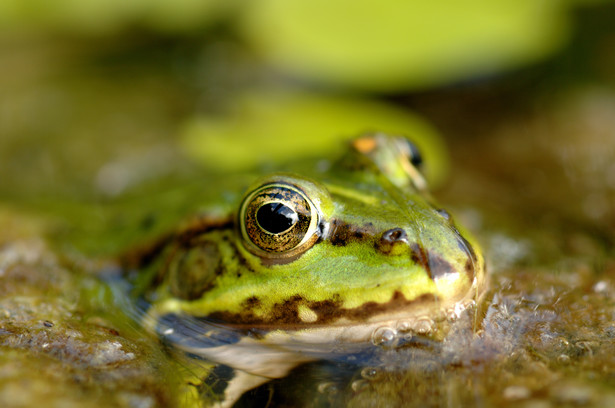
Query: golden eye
[[279, 219]]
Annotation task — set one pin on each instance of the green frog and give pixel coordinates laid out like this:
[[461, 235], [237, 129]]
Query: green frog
[[356, 255]]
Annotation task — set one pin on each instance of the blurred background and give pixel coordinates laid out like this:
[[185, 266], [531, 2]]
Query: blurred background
[[511, 101], [98, 97]]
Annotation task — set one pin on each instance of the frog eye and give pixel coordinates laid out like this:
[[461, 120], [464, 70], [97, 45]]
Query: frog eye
[[413, 153], [279, 219]]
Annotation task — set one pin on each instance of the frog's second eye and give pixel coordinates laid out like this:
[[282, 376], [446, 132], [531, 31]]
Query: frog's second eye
[[279, 219], [413, 153]]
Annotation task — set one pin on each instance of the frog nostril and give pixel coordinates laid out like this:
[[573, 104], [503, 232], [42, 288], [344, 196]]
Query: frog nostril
[[394, 235], [393, 242]]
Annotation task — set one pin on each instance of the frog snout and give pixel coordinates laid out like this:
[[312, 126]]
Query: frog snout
[[396, 242]]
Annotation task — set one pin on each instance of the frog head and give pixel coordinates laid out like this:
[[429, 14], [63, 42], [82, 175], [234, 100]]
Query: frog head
[[358, 243]]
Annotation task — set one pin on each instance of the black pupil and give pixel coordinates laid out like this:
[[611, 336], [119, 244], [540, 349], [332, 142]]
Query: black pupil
[[276, 217]]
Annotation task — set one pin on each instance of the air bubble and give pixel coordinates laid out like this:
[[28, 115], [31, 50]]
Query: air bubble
[[423, 325], [404, 326], [455, 312], [384, 336]]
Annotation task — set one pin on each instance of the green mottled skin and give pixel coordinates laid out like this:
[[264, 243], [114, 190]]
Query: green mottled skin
[[349, 276]]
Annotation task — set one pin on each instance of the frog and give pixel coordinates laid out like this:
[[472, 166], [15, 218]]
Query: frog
[[306, 266]]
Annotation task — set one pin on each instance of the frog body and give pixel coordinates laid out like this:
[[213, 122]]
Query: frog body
[[350, 255]]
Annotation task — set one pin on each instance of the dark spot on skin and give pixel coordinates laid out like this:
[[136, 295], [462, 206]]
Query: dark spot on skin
[[252, 302], [217, 381], [438, 266], [418, 255], [469, 267], [282, 313], [287, 311], [339, 233], [435, 265], [343, 233], [327, 309]]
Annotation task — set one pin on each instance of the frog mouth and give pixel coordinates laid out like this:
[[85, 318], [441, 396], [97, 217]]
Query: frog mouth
[[328, 316], [298, 313]]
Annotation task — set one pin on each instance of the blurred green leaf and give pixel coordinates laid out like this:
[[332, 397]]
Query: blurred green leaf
[[103, 16], [277, 127], [401, 44]]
